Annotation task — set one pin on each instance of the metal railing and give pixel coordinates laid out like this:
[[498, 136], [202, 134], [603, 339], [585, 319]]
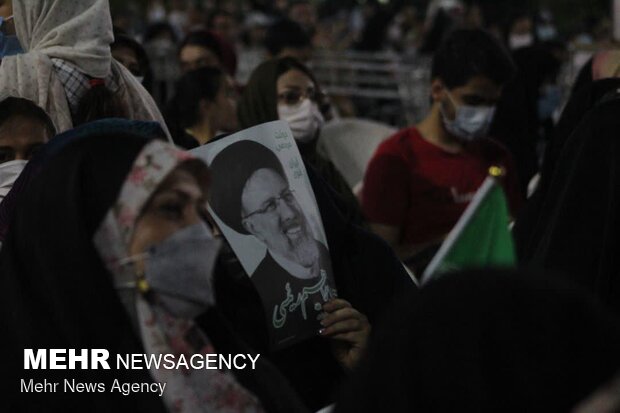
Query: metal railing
[[381, 81]]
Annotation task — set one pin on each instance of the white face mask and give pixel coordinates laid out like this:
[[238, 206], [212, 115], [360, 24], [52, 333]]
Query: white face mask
[[470, 122], [9, 172], [517, 41], [304, 119]]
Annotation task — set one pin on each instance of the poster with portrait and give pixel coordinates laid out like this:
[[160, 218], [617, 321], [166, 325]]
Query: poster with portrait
[[261, 199]]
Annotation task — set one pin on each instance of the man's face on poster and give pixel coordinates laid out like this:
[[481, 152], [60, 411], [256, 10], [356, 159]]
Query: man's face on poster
[[271, 213]]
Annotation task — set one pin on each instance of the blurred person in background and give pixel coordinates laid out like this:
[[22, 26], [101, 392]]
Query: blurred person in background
[[125, 304], [573, 227], [442, 17], [156, 11], [521, 32], [132, 55], [545, 26], [303, 12], [287, 38], [200, 49], [487, 341], [24, 129], [224, 25], [160, 43], [48, 151], [204, 106], [66, 66], [252, 50], [178, 16], [285, 89], [405, 31], [420, 180]]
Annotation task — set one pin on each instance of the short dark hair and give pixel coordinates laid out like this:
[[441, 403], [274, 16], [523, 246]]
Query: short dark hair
[[126, 41], [13, 106], [203, 83], [286, 33], [215, 14], [206, 39], [467, 53]]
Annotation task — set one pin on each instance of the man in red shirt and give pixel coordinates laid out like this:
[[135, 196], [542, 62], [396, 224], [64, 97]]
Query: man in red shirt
[[420, 180]]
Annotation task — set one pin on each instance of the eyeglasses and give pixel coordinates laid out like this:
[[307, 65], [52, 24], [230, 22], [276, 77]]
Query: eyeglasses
[[287, 196], [294, 97]]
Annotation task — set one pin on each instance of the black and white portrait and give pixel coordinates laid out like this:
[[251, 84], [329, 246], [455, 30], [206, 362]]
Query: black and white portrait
[[261, 198]]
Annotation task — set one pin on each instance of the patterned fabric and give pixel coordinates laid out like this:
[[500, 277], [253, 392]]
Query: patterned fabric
[[76, 32], [187, 390], [76, 83]]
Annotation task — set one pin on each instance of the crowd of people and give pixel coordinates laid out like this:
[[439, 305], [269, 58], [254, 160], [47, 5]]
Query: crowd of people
[[99, 193]]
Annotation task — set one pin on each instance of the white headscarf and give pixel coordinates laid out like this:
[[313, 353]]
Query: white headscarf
[[78, 32]]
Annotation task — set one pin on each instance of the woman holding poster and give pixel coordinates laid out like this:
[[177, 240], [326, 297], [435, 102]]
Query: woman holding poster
[[288, 253], [117, 256]]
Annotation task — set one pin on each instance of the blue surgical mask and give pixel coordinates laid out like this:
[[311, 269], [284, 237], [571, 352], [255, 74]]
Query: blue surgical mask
[[546, 32], [470, 122], [9, 44], [549, 100], [179, 270]]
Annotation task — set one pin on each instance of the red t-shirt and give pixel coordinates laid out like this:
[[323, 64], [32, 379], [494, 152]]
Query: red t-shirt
[[422, 189]]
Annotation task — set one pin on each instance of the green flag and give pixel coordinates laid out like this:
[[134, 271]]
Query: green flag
[[481, 237]]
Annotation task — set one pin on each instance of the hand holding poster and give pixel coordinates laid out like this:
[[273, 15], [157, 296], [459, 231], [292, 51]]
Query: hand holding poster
[[262, 201]]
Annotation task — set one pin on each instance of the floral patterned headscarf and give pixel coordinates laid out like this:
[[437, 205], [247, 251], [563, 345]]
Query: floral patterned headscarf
[[187, 390]]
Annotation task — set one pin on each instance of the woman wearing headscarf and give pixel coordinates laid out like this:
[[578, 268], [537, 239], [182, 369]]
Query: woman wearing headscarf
[[92, 262], [487, 341], [582, 101], [51, 149], [286, 89], [576, 228], [24, 129], [65, 65]]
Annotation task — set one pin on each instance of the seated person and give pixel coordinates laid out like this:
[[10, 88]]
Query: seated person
[[285, 38], [90, 261], [132, 55], [200, 49], [366, 273], [204, 106], [488, 341], [420, 180], [285, 89], [24, 128]]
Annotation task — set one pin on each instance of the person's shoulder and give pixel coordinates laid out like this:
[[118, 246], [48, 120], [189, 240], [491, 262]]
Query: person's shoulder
[[399, 143], [264, 269], [492, 150]]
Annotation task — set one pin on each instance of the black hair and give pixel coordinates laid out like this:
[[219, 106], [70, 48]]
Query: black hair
[[468, 53], [99, 102], [13, 106], [215, 14], [286, 33], [123, 40], [206, 39], [193, 87], [290, 63], [155, 30]]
